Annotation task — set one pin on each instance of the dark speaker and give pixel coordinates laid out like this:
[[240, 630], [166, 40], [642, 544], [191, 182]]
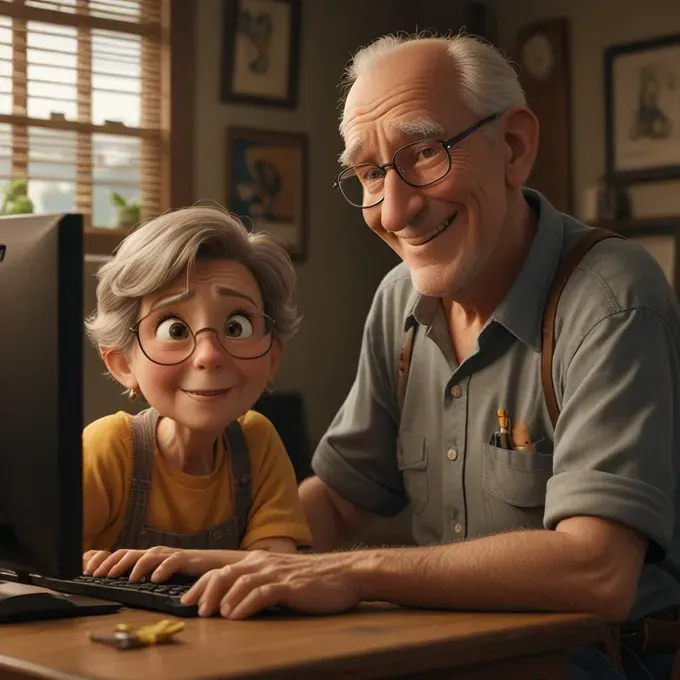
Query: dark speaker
[[285, 410]]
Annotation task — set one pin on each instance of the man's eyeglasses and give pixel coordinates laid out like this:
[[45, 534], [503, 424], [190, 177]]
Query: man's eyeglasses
[[418, 163], [168, 340]]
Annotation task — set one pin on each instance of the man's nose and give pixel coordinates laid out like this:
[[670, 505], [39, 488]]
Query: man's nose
[[401, 203]]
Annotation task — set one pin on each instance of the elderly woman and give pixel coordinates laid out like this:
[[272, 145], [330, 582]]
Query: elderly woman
[[192, 313]]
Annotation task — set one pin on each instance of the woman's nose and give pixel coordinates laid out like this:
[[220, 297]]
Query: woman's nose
[[209, 353]]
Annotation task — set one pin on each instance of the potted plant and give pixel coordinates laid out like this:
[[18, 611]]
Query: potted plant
[[16, 200], [127, 213]]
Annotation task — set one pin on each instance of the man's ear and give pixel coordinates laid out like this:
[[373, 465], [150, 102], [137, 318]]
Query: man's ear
[[520, 134], [119, 367]]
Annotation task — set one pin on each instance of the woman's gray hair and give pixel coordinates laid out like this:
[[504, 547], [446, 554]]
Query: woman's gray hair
[[487, 81], [160, 250]]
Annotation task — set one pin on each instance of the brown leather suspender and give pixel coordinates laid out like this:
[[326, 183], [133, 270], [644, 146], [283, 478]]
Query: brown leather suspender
[[575, 255], [565, 270], [654, 633]]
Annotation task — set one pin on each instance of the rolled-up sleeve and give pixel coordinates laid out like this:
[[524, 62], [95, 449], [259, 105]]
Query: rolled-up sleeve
[[617, 433], [357, 455]]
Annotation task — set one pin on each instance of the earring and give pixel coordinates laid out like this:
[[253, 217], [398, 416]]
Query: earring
[[269, 387], [133, 394]]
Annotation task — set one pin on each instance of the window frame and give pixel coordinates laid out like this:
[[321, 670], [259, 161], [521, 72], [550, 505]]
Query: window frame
[[176, 112]]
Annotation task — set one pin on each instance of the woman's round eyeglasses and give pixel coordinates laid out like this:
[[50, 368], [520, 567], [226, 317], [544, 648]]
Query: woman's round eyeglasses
[[168, 339]]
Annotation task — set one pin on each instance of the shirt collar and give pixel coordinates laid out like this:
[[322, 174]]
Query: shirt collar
[[521, 310]]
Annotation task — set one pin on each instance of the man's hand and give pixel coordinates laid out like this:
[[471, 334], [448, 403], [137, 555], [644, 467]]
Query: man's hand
[[315, 584]]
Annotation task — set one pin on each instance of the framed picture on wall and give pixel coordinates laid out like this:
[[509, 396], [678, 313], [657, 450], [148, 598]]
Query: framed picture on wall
[[661, 238], [642, 103], [261, 52], [266, 175]]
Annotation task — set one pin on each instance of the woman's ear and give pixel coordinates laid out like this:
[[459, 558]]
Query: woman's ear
[[119, 367]]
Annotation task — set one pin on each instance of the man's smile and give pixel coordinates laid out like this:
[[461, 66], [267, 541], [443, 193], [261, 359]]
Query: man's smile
[[432, 233]]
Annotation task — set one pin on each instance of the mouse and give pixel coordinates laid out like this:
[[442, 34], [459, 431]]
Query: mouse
[[20, 602]]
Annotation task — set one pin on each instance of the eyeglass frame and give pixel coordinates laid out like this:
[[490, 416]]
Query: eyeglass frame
[[447, 145], [134, 329]]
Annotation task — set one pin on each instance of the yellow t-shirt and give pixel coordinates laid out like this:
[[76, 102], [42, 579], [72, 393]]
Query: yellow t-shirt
[[183, 503]]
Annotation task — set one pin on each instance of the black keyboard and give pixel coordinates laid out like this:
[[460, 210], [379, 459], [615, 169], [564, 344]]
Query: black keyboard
[[160, 597]]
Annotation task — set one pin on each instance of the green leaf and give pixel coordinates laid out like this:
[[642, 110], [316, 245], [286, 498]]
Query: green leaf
[[117, 199], [19, 187], [22, 205]]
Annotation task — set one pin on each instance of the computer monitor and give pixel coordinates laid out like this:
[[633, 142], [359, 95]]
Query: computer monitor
[[41, 400], [41, 416]]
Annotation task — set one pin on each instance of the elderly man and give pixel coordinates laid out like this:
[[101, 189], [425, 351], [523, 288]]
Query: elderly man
[[509, 511]]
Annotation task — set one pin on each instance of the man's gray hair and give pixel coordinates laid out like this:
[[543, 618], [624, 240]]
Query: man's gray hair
[[159, 251], [487, 81]]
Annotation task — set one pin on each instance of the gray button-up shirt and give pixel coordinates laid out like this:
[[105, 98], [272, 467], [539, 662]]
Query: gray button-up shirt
[[614, 452]]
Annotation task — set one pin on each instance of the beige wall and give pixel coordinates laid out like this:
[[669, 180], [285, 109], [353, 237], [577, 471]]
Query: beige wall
[[596, 24], [345, 261]]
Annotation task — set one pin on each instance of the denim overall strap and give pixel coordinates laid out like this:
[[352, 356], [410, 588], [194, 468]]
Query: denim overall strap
[[143, 451]]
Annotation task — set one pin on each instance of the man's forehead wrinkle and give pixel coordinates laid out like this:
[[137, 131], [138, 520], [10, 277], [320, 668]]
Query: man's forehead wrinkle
[[411, 89], [407, 111], [415, 102]]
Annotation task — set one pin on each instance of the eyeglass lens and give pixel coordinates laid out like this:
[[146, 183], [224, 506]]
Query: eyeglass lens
[[170, 340], [420, 163]]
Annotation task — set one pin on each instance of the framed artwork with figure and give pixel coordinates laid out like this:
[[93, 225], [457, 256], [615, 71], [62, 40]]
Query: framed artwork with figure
[[261, 52], [266, 176], [642, 102]]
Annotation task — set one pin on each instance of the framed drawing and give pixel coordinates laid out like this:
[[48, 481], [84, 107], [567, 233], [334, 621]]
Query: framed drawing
[[261, 52], [266, 175], [661, 238], [642, 103]]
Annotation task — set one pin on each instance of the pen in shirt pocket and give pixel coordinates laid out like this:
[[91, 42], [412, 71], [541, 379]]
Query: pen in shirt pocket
[[521, 437], [501, 438], [504, 438]]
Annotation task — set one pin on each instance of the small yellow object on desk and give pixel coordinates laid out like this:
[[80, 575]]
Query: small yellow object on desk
[[127, 637]]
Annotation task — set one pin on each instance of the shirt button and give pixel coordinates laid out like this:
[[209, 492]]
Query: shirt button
[[452, 454], [458, 528], [456, 391]]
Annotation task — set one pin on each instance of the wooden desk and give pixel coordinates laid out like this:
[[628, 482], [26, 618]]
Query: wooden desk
[[377, 641]]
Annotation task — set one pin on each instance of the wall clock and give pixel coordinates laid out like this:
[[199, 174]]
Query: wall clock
[[543, 57]]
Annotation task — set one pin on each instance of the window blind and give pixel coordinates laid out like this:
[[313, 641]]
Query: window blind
[[80, 104]]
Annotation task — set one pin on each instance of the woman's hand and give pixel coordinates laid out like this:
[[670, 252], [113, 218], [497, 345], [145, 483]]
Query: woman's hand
[[159, 563], [118, 563], [92, 559]]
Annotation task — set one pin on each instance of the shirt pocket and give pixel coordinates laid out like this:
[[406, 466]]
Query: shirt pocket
[[412, 462], [514, 485]]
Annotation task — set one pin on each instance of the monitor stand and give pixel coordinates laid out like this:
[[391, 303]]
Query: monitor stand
[[22, 601]]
